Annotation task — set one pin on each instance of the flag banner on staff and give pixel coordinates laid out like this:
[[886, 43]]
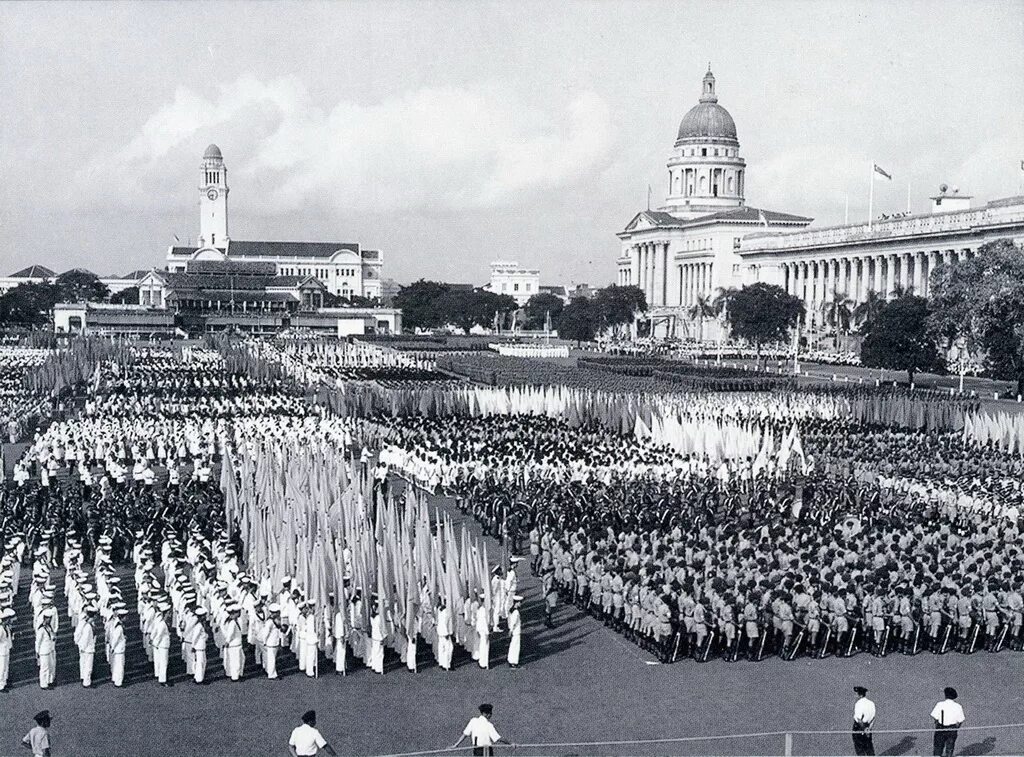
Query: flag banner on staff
[[881, 171], [301, 516]]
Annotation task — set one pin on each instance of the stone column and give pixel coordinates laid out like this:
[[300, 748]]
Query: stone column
[[655, 274]]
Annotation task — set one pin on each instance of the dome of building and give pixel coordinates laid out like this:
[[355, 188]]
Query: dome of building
[[212, 152], [707, 119]]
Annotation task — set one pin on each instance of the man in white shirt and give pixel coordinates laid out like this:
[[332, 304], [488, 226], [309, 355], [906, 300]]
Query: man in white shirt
[[481, 733], [863, 716], [306, 739], [948, 716]]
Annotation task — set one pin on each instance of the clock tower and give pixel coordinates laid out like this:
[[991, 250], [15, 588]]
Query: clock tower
[[213, 199]]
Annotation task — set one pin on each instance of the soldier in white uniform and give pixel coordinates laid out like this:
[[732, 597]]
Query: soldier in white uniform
[[6, 643], [340, 641], [483, 641], [444, 630], [85, 640], [160, 639], [234, 655], [273, 638], [46, 648], [116, 645], [198, 637], [377, 636], [309, 640], [515, 630]]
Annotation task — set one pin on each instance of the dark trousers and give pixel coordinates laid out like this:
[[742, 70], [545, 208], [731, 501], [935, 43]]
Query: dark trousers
[[945, 740], [483, 751], [862, 743]]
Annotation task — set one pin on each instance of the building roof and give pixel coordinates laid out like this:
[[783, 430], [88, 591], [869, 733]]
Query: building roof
[[707, 119], [212, 151], [240, 248], [136, 275], [243, 249], [33, 272], [745, 214]]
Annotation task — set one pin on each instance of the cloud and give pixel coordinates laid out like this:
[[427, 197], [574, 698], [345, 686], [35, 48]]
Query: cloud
[[427, 149]]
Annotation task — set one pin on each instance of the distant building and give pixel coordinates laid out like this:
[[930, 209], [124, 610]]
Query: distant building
[[705, 238], [105, 319], [38, 274], [510, 278], [584, 291], [389, 289], [214, 295], [558, 291], [900, 251], [344, 267], [33, 274]]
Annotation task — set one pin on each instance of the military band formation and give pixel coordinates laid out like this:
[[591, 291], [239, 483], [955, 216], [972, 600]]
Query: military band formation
[[161, 507]]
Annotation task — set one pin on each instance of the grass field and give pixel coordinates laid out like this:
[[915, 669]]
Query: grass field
[[578, 682]]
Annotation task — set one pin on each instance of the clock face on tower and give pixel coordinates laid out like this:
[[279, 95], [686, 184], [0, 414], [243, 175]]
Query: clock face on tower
[[212, 194]]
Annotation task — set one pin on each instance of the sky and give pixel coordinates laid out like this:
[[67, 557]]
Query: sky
[[452, 134]]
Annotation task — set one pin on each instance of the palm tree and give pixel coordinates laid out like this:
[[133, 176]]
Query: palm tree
[[838, 313], [866, 311], [703, 307], [899, 290]]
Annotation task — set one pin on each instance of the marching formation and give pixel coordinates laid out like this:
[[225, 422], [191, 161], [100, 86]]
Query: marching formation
[[237, 506]]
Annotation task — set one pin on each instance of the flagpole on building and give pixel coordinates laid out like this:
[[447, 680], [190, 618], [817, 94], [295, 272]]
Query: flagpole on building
[[871, 197], [846, 218], [908, 195]]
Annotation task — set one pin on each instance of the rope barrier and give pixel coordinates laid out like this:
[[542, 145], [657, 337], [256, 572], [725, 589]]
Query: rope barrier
[[683, 739]]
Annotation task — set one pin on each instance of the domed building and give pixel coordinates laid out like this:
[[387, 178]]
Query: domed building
[[705, 238], [686, 250], [705, 172]]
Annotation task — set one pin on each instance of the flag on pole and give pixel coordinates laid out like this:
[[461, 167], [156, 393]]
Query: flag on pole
[[881, 171]]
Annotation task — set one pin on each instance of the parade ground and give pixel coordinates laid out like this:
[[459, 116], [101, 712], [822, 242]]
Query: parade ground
[[578, 682]]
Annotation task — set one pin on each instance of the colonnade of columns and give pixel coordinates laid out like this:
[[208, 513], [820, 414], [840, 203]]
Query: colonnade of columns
[[815, 280], [650, 271], [664, 282], [694, 282]]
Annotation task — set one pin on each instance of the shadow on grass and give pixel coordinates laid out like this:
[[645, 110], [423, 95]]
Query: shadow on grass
[[986, 746], [903, 746]]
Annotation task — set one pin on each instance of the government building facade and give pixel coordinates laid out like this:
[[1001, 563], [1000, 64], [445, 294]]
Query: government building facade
[[344, 268], [705, 239]]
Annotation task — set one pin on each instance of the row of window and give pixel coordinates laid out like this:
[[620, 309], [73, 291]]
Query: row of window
[[213, 177], [515, 287], [718, 181], [726, 152], [321, 273]]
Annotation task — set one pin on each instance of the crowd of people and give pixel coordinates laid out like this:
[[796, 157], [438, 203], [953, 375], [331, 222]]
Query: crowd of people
[[876, 539], [240, 501], [141, 477]]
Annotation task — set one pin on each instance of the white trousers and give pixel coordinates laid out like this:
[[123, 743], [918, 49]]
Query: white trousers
[[270, 661], [445, 648], [5, 666], [514, 646], [47, 669], [377, 656], [234, 662], [117, 668], [85, 662], [160, 658], [340, 655], [199, 665], [308, 651]]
